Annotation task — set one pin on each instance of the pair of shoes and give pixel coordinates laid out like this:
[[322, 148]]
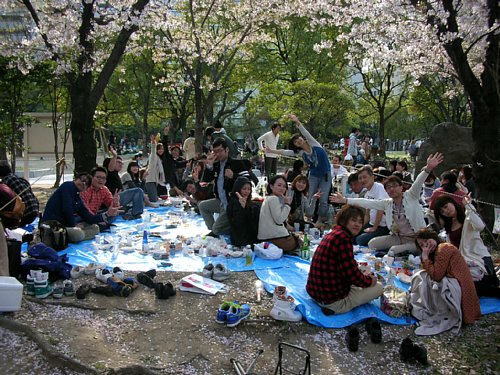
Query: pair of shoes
[[82, 291], [352, 339], [232, 313], [58, 291], [164, 291], [41, 286], [409, 351], [284, 306], [146, 278], [217, 273], [119, 287], [104, 274], [374, 330]]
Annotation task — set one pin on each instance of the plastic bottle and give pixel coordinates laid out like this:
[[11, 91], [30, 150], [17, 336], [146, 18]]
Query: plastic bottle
[[248, 254], [259, 290], [305, 251], [145, 241]]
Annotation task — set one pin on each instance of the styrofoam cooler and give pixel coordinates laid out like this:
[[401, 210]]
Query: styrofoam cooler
[[11, 294]]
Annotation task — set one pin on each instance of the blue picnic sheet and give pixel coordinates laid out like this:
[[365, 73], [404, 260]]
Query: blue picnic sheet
[[294, 277], [288, 271]]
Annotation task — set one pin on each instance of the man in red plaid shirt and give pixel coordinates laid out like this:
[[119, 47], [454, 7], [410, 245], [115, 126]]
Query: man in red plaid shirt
[[335, 282], [97, 196]]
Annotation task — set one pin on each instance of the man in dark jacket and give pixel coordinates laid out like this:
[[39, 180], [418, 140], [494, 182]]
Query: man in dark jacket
[[65, 204], [222, 171]]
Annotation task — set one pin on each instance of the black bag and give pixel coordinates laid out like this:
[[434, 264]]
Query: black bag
[[54, 234], [14, 252]]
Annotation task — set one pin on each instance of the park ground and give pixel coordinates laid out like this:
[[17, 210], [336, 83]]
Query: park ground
[[142, 335]]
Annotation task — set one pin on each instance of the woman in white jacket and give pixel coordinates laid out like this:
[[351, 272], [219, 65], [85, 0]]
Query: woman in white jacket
[[273, 215], [463, 227], [156, 174]]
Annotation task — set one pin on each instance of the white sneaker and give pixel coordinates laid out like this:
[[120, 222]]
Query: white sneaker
[[208, 271], [103, 275], [285, 310], [221, 273], [77, 271]]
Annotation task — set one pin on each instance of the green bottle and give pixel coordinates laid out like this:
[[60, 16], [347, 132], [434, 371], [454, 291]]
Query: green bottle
[[305, 251]]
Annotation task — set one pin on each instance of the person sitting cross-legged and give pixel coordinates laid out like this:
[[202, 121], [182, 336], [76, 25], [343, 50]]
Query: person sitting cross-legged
[[403, 213], [97, 197], [335, 282], [65, 204]]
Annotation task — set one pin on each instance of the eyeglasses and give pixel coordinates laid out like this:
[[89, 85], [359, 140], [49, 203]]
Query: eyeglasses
[[101, 178], [391, 186]]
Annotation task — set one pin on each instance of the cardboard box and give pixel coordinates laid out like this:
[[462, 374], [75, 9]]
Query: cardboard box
[[11, 294]]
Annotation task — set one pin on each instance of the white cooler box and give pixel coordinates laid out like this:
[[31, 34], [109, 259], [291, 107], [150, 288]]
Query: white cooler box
[[11, 294]]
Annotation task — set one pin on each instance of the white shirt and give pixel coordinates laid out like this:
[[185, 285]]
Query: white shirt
[[376, 192], [271, 141], [337, 172]]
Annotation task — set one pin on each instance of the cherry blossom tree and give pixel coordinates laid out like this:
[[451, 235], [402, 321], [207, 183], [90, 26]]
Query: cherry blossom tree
[[458, 38], [86, 39]]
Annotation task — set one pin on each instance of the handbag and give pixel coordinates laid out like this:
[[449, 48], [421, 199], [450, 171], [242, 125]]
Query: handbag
[[54, 234], [394, 301]]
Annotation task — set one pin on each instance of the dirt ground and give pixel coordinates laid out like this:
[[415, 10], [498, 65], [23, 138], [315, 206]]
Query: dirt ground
[[141, 334]]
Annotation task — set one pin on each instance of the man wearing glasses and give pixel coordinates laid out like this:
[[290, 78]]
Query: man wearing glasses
[[65, 205], [403, 213], [98, 195]]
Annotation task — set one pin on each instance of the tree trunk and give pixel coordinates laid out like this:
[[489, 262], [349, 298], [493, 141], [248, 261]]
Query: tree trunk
[[381, 133]]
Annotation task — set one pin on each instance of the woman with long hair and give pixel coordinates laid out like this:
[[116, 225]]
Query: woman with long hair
[[132, 178], [273, 215], [463, 227], [442, 259], [448, 187], [301, 207], [155, 179], [243, 214]]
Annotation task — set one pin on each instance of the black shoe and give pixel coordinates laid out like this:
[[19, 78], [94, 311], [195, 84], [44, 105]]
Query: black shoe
[[104, 290], [420, 354], [169, 289], [146, 280], [129, 216], [406, 350], [374, 330], [212, 234], [160, 291], [126, 291], [83, 290], [352, 339], [151, 273], [327, 312]]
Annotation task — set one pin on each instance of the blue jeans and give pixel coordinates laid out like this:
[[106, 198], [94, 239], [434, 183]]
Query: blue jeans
[[324, 184], [363, 238], [135, 197]]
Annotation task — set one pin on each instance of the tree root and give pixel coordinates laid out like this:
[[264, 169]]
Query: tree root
[[137, 311], [132, 370], [63, 303], [49, 352]]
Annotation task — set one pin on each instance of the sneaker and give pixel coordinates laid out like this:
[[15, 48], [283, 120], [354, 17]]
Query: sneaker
[[68, 288], [77, 271], [236, 314], [208, 271], [92, 268], [222, 312], [42, 289], [221, 273], [82, 291], [103, 275], [285, 310], [118, 273], [159, 291], [30, 285], [374, 330], [352, 339], [169, 289], [58, 292]]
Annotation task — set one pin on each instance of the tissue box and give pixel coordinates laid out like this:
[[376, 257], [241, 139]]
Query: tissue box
[[11, 293]]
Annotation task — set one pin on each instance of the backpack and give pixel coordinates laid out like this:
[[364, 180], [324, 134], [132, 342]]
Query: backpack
[[54, 234]]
